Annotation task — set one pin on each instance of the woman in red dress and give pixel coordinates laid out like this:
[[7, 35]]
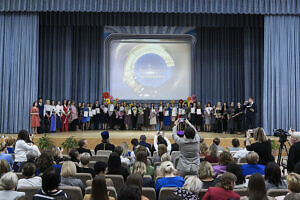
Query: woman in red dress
[[35, 119]]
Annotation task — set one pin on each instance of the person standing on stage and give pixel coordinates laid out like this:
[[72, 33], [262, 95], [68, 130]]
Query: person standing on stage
[[250, 113], [35, 119], [41, 115], [47, 115], [84, 118], [111, 109], [152, 117], [53, 117], [219, 117], [161, 115], [167, 116], [174, 114], [74, 117], [199, 117], [127, 118], [134, 116], [193, 114], [238, 117], [96, 107], [207, 117], [231, 121], [140, 119], [224, 117], [64, 118], [146, 117], [59, 111]]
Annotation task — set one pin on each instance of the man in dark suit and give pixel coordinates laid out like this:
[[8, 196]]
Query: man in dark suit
[[250, 113], [105, 145]]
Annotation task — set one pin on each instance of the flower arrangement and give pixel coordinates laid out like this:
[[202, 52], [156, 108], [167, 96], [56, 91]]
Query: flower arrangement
[[109, 99]]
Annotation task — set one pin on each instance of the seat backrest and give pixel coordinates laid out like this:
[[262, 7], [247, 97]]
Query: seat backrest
[[241, 192], [103, 158], [202, 193], [174, 155], [118, 181], [29, 191], [165, 192], [83, 177], [149, 192], [91, 164], [277, 192], [158, 177], [88, 190], [73, 192], [104, 152], [112, 192], [19, 174]]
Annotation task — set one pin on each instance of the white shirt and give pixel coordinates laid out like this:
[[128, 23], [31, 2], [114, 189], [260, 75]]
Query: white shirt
[[21, 149], [208, 110], [156, 146], [125, 160], [47, 108], [30, 182], [10, 194], [59, 110]]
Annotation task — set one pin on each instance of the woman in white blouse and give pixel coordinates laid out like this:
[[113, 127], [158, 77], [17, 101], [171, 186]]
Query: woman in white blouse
[[23, 145], [166, 141]]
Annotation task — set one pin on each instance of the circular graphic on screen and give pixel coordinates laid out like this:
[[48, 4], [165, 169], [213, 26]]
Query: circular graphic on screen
[[147, 67], [150, 70]]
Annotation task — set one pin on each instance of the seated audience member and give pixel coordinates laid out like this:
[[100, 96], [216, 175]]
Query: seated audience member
[[252, 167], [68, 171], [224, 160], [143, 142], [127, 153], [115, 167], [207, 175], [165, 157], [213, 156], [217, 142], [204, 151], [136, 180], [57, 155], [241, 154], [161, 149], [99, 190], [235, 145], [105, 145], [6, 156], [45, 161], [74, 156], [175, 146], [142, 157], [189, 146], [160, 138], [134, 142], [169, 179], [119, 150], [140, 168], [294, 151], [262, 146], [224, 189], [291, 196], [83, 147], [4, 167], [273, 177], [10, 142], [190, 189], [293, 185], [29, 180], [256, 188], [100, 168], [130, 193], [84, 165], [9, 183], [50, 183], [240, 179]]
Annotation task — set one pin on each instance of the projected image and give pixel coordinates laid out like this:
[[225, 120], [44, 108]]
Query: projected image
[[150, 69]]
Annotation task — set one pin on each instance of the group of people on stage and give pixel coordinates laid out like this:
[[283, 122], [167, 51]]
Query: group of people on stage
[[54, 116]]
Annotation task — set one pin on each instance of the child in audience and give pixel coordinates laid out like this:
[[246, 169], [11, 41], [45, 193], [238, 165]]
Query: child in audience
[[169, 179], [225, 159], [50, 183], [207, 175], [9, 183], [29, 180], [224, 189], [235, 145], [273, 177], [252, 167]]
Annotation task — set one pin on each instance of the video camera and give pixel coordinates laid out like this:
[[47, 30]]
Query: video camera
[[282, 134]]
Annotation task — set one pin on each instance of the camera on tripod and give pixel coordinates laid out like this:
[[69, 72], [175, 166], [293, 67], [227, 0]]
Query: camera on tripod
[[282, 134]]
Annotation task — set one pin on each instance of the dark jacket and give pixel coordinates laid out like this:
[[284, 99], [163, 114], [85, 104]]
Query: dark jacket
[[294, 157], [104, 146], [264, 150]]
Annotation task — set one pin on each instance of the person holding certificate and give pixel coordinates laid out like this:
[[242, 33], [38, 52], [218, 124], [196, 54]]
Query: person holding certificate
[[106, 116], [152, 117], [174, 114], [84, 111], [127, 118], [59, 111], [193, 114], [207, 117], [53, 117], [167, 116], [140, 118], [224, 117], [35, 119], [96, 109], [160, 115], [146, 117], [219, 117], [134, 116], [199, 117], [64, 117]]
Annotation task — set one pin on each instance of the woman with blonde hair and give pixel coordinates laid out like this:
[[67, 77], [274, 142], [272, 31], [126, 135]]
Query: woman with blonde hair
[[203, 149], [161, 149], [190, 189], [140, 168], [262, 145], [68, 171], [207, 175]]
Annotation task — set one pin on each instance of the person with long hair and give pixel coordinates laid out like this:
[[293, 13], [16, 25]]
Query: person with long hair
[[224, 189], [213, 156], [136, 180], [140, 168], [256, 188], [262, 145], [99, 190], [35, 119], [273, 177], [224, 160], [115, 167], [207, 175], [241, 182]]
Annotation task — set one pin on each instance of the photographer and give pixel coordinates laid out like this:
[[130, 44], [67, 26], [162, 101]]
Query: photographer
[[189, 146], [262, 146], [294, 151]]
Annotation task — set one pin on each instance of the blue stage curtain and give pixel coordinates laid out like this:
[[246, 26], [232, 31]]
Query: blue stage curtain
[[18, 70], [71, 63], [281, 72]]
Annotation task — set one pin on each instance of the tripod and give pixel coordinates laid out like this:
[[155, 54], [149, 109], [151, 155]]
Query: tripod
[[279, 161]]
